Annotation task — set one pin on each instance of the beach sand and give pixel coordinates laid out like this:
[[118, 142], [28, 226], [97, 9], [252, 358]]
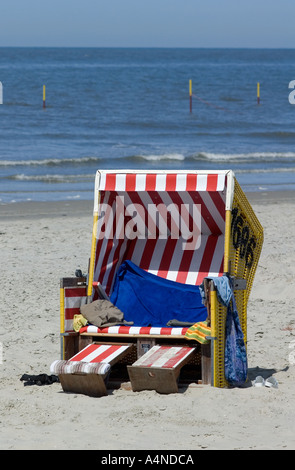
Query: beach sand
[[42, 242]]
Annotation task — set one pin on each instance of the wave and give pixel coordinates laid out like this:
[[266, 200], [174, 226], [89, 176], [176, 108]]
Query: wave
[[210, 157], [244, 157], [158, 158], [89, 160], [90, 177], [219, 157], [51, 162], [52, 178], [266, 170]]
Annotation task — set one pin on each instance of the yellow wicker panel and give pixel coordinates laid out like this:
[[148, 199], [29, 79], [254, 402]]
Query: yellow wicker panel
[[245, 247], [218, 317], [246, 239], [243, 244]]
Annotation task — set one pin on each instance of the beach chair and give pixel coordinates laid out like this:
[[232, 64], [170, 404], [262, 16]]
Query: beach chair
[[185, 227]]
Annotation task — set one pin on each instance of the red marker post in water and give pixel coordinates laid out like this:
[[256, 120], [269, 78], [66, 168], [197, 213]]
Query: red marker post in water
[[258, 93], [44, 96]]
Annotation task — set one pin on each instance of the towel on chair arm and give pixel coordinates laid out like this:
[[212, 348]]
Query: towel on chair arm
[[78, 322]]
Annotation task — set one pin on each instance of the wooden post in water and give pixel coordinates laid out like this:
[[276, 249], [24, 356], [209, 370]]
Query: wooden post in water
[[258, 93], [1, 93], [190, 96], [44, 96]]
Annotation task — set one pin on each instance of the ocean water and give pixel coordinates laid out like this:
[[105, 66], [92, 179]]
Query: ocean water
[[129, 108]]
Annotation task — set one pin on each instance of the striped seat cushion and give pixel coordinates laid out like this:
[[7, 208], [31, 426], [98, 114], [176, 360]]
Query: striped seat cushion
[[135, 330]]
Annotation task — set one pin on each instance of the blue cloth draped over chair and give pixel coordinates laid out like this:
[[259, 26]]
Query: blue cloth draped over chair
[[149, 300]]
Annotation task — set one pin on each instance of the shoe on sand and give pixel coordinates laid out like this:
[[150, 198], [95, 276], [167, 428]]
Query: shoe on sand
[[271, 382], [259, 381]]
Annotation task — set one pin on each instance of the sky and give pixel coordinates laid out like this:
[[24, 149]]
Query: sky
[[148, 23]]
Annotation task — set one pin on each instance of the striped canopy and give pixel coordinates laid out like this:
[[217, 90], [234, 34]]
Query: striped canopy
[[169, 224]]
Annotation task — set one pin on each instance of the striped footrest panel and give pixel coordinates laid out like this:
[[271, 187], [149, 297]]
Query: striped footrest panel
[[159, 369], [135, 330], [164, 356], [93, 359], [78, 367]]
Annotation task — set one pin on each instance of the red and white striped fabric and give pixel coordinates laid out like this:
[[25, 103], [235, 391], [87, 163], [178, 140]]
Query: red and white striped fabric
[[167, 357], [79, 367], [135, 330], [100, 353], [162, 181], [74, 297], [192, 201]]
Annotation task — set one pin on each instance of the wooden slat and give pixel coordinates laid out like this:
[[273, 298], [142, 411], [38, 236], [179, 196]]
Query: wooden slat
[[89, 384]]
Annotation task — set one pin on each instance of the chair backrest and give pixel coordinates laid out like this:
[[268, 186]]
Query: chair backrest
[[170, 224]]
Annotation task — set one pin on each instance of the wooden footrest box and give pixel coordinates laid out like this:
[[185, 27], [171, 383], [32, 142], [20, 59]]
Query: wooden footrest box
[[159, 369], [87, 371]]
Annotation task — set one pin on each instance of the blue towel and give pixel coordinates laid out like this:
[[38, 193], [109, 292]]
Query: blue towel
[[149, 300], [223, 288], [235, 353]]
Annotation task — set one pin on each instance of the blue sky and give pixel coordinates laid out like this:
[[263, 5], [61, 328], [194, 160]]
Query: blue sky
[[148, 23]]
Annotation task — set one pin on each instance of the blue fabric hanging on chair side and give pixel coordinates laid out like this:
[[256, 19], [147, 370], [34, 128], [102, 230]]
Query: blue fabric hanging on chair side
[[235, 354]]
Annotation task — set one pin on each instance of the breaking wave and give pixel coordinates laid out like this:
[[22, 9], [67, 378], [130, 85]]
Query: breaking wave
[[52, 178], [250, 158], [50, 162]]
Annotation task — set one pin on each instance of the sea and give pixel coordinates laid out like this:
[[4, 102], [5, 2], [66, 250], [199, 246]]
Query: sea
[[133, 108]]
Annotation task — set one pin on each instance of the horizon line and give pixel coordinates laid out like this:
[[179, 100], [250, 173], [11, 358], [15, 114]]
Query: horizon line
[[149, 47]]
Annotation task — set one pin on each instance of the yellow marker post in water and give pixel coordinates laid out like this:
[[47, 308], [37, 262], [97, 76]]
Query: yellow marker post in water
[[44, 96], [258, 93], [190, 96]]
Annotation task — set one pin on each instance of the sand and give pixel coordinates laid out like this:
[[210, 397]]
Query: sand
[[42, 242]]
